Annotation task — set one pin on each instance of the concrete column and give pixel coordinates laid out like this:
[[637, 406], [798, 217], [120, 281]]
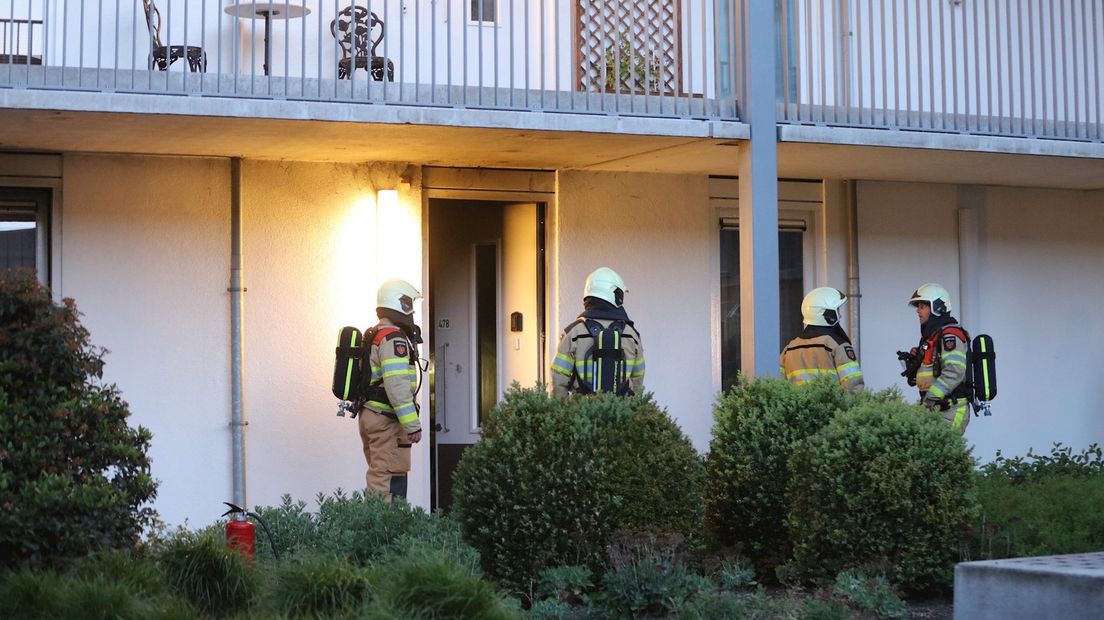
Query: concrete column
[[759, 275]]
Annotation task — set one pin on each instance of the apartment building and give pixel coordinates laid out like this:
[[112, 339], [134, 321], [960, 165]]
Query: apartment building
[[221, 184]]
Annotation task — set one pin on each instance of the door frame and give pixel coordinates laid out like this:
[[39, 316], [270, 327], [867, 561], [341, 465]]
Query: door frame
[[502, 186]]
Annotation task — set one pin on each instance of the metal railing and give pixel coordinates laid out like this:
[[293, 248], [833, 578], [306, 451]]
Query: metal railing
[[20, 41], [651, 58], [1030, 68]]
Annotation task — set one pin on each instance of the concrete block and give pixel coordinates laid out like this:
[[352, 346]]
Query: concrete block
[[1066, 587]]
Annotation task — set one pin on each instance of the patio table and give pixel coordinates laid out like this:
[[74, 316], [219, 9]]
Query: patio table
[[274, 9]]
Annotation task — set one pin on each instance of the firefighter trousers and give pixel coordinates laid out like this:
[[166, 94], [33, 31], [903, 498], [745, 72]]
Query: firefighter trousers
[[386, 450]]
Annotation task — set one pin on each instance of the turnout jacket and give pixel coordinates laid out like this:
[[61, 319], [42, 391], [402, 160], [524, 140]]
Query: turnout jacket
[[821, 351], [394, 368], [572, 366], [943, 363]]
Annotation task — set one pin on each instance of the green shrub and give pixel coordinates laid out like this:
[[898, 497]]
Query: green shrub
[[713, 606], [656, 472], [870, 594], [362, 528], [431, 585], [315, 585], [649, 585], [734, 575], [531, 493], [756, 423], [568, 584], [139, 575], [1053, 515], [74, 477], [552, 609], [884, 485], [99, 597], [97, 588], [1062, 462], [819, 609], [202, 570], [292, 526], [30, 594], [552, 478]]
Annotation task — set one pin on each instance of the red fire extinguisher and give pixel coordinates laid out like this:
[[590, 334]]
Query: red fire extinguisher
[[241, 533]]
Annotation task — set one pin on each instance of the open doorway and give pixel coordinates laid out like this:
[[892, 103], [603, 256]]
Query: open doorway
[[486, 316]]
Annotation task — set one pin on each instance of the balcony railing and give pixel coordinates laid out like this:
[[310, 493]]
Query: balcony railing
[[1031, 68], [1024, 68], [625, 57]]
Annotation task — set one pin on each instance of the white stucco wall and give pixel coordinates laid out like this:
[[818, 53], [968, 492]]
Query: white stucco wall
[[1037, 286], [656, 231], [310, 268], [144, 250]]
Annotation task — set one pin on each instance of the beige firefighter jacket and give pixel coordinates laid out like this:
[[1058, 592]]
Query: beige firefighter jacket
[[392, 367], [572, 366], [805, 359]]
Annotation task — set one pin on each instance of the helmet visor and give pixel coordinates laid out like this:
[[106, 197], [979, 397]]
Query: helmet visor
[[406, 302]]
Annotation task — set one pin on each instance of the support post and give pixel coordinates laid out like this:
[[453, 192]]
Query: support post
[[759, 274]]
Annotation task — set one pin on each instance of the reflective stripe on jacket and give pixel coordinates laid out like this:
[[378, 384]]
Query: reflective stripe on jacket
[[571, 357], [392, 367], [805, 359]]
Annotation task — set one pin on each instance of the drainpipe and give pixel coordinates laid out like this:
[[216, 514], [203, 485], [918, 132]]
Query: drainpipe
[[854, 291], [237, 421]]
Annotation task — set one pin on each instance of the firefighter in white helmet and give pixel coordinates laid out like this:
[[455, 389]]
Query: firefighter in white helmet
[[389, 423], [600, 351], [823, 348], [937, 366]]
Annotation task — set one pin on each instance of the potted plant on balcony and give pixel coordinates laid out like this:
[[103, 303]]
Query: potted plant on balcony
[[629, 69]]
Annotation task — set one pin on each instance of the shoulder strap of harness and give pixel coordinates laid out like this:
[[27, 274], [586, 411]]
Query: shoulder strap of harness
[[381, 332]]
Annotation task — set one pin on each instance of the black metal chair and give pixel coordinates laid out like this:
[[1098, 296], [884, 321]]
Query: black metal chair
[[18, 36], [163, 56], [353, 29]]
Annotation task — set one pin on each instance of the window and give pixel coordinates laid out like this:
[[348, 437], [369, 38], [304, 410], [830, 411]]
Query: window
[[24, 229], [791, 267], [486, 329], [483, 11]]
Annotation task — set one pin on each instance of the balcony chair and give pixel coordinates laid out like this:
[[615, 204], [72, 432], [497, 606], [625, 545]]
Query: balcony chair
[[353, 29], [165, 55]]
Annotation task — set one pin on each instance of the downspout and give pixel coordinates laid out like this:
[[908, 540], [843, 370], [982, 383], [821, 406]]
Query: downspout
[[854, 291], [237, 421]]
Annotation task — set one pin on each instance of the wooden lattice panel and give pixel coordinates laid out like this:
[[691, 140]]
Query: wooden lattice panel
[[628, 46]]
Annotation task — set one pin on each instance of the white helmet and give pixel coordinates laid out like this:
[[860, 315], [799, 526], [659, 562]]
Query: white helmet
[[397, 295], [820, 306], [935, 295], [604, 283]]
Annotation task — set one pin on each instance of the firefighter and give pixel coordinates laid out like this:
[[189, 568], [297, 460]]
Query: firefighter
[[600, 351], [937, 366], [389, 423], [823, 348]]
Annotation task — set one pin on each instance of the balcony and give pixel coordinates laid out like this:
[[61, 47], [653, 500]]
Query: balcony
[[1019, 68], [650, 58], [1024, 69]]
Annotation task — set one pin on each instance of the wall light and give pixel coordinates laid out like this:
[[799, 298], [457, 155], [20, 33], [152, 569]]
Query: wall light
[[387, 199]]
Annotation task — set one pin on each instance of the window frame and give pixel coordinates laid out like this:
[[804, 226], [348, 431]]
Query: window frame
[[724, 205], [482, 21], [40, 199]]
